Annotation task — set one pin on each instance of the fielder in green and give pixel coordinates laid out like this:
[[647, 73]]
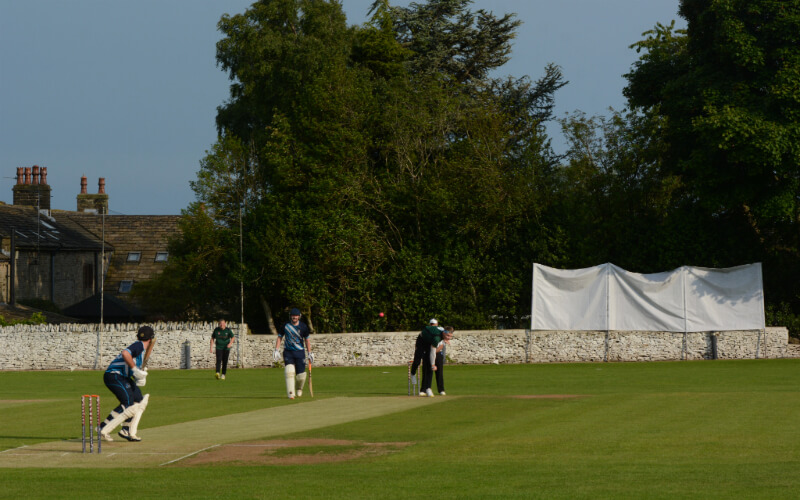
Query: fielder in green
[[222, 339]]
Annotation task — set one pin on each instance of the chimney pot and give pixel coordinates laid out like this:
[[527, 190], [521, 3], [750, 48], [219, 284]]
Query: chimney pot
[[19, 175], [27, 175], [35, 177], [83, 185], [101, 184], [44, 175]]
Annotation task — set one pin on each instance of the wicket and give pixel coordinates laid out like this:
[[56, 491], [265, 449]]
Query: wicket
[[412, 387], [96, 399]]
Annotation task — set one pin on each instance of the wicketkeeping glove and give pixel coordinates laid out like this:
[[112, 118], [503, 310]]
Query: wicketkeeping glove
[[276, 355]]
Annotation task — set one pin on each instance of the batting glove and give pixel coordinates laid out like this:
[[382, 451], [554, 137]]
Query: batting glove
[[311, 358], [276, 355]]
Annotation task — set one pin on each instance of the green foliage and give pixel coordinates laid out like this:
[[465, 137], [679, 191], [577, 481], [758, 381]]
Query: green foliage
[[196, 283], [36, 318], [727, 93], [782, 315], [378, 168]]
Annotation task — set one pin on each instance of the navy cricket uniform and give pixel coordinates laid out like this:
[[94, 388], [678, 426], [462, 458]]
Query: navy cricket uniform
[[294, 352], [118, 377]]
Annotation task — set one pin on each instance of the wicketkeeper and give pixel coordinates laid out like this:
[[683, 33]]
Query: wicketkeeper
[[294, 334], [124, 377]]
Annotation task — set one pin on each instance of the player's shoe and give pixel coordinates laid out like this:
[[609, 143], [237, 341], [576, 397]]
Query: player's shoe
[[125, 434], [299, 392], [423, 395], [441, 393], [217, 375], [106, 437], [222, 376], [429, 393]]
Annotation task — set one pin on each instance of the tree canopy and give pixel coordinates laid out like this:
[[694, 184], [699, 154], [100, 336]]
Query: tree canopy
[[385, 168]]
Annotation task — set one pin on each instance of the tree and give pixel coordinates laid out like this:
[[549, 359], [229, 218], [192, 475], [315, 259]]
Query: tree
[[377, 177], [727, 91]]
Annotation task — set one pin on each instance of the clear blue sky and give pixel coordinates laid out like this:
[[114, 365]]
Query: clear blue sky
[[128, 90]]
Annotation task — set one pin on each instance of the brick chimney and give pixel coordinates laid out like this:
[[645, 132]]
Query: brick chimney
[[31, 188], [97, 203]]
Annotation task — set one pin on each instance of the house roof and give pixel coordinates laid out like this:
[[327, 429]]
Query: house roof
[[39, 231], [146, 235], [114, 309]]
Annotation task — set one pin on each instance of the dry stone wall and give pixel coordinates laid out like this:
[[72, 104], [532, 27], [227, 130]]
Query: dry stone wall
[[186, 345]]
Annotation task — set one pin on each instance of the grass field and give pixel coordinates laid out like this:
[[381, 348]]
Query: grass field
[[714, 429]]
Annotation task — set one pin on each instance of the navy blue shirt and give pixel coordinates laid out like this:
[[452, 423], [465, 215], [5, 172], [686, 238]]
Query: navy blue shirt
[[293, 335], [119, 366]]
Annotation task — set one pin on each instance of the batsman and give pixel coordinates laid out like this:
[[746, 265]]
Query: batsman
[[124, 377], [294, 335]]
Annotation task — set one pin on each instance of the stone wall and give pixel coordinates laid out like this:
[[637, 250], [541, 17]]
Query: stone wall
[[186, 345]]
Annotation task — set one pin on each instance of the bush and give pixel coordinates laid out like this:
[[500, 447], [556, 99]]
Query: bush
[[782, 315], [36, 319]]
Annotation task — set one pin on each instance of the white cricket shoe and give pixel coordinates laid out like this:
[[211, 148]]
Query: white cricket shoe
[[106, 436], [441, 393], [423, 395], [429, 393], [125, 434], [299, 392], [222, 376]]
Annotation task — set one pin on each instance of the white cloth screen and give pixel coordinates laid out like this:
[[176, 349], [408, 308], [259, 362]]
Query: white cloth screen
[[688, 299]]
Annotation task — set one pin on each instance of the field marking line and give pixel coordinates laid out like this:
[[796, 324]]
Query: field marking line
[[189, 455], [12, 449]]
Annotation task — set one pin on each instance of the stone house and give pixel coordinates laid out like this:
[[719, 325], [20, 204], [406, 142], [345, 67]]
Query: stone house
[[63, 256]]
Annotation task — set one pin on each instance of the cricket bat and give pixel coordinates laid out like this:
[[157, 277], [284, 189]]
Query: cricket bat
[[147, 353], [310, 385]]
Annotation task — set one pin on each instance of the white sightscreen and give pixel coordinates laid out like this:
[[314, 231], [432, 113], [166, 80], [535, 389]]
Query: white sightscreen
[[688, 299]]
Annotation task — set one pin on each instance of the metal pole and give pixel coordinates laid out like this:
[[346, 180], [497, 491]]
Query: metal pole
[[102, 283], [241, 290]]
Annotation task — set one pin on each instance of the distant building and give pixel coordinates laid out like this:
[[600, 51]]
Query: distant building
[[62, 256]]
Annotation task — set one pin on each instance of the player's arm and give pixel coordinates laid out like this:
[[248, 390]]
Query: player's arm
[[126, 356], [233, 337]]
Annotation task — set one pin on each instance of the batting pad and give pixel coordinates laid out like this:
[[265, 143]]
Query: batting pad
[[162, 446]]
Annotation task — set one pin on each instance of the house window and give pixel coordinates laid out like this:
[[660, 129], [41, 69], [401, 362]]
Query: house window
[[125, 286], [134, 256], [88, 276], [162, 256]]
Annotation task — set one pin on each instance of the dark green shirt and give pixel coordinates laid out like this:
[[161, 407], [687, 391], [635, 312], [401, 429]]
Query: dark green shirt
[[431, 335], [222, 338]]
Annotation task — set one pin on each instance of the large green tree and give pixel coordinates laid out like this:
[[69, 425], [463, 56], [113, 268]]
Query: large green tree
[[378, 167], [727, 90]]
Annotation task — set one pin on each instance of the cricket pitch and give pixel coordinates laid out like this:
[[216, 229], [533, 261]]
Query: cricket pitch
[[162, 446]]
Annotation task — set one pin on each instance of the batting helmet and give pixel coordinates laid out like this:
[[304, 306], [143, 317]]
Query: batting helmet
[[145, 333]]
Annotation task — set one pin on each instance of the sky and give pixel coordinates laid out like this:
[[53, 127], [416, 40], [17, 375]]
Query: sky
[[128, 91]]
